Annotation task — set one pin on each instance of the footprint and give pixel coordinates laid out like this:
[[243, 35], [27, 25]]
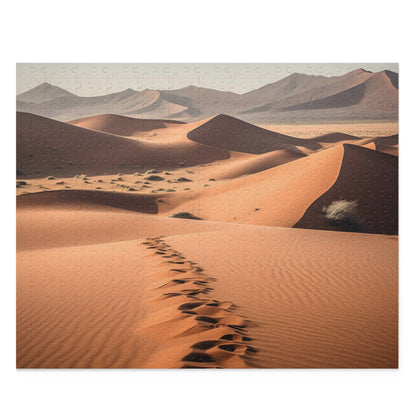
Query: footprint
[[179, 281], [205, 345], [190, 305], [172, 294], [200, 282], [206, 319], [227, 347], [198, 357]]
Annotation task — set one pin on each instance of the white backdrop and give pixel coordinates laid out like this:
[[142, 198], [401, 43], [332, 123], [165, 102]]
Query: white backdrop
[[214, 31]]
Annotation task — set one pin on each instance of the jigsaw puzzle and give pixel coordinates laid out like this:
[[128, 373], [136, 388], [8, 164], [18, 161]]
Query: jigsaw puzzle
[[207, 215]]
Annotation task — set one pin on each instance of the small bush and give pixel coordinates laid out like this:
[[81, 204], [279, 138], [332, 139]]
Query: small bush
[[343, 214]]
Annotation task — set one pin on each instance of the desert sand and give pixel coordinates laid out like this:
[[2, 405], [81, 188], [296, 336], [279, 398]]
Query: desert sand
[[158, 244]]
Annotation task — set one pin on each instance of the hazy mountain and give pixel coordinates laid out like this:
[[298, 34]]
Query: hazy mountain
[[357, 95]]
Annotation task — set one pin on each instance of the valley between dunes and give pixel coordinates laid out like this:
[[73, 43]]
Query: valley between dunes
[[159, 244]]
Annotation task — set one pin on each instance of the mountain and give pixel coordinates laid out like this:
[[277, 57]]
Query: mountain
[[357, 95]]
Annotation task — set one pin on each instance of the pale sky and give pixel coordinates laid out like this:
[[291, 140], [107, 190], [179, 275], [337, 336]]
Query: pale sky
[[99, 79]]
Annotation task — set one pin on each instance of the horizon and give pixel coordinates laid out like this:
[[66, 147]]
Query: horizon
[[88, 80]]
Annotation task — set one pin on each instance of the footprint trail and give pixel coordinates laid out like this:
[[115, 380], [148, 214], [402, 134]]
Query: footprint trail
[[217, 333]]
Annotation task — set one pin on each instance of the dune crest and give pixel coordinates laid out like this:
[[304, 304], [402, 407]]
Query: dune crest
[[368, 177], [230, 133]]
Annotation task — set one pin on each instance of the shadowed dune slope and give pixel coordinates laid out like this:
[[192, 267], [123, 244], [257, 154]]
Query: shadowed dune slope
[[387, 144], [50, 147], [144, 203], [371, 179], [230, 133], [391, 150], [121, 125], [388, 140]]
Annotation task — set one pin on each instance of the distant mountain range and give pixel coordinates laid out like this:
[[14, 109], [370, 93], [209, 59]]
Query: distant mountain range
[[357, 95]]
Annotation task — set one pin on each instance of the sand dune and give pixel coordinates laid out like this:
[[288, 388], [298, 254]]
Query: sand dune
[[89, 198], [286, 184], [257, 163], [46, 146], [316, 299], [110, 144], [176, 302], [121, 125], [386, 144], [230, 133], [282, 194], [112, 275], [371, 179], [287, 193], [388, 140]]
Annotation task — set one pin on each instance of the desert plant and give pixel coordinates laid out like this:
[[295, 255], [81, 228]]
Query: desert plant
[[343, 214]]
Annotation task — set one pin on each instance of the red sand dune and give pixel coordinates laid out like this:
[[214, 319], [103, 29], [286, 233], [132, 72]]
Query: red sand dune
[[277, 196]]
